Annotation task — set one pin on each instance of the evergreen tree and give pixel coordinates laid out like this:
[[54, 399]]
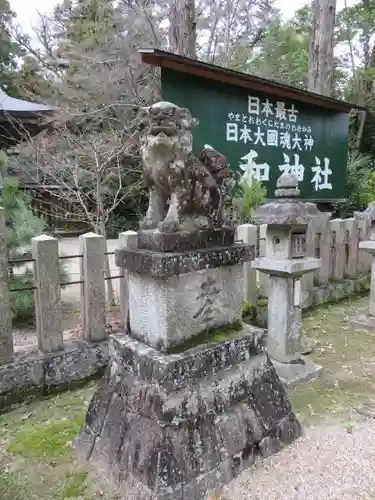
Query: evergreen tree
[[21, 226], [10, 50]]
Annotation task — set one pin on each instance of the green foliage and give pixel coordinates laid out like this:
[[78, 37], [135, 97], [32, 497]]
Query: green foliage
[[255, 313], [284, 55], [248, 198], [360, 185], [21, 226], [9, 50], [74, 486], [22, 302], [46, 441]]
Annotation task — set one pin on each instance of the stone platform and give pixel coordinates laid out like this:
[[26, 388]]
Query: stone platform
[[185, 240], [292, 374], [172, 427]]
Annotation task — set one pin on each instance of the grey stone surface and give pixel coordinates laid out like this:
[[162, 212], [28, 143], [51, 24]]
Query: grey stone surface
[[322, 229], [262, 277], [369, 246], [286, 210], [32, 371], [166, 264], [6, 339], [284, 321], [173, 441], [364, 322], [292, 374], [364, 234], [372, 289], [332, 292], [248, 234], [178, 371], [338, 254], [165, 313], [45, 251], [185, 240], [351, 236], [127, 239], [286, 267], [369, 214], [93, 247], [318, 246]]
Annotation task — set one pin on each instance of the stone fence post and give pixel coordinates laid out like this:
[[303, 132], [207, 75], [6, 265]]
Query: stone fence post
[[248, 234], [6, 337], [45, 250], [352, 243], [338, 248], [93, 248], [127, 239], [366, 231], [262, 277]]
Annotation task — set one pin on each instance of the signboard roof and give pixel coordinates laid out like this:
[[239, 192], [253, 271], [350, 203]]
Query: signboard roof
[[182, 64]]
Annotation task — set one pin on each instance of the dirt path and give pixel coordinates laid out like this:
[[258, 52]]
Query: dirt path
[[329, 463], [335, 458]]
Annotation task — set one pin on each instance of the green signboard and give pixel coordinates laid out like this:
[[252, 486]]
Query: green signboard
[[263, 135]]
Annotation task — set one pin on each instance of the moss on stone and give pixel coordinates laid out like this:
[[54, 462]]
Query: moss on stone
[[254, 313], [30, 393], [208, 337]]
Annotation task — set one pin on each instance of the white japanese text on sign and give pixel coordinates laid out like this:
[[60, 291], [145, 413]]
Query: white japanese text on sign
[[275, 125]]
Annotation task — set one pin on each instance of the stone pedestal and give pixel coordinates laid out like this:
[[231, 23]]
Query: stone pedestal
[[367, 321], [175, 426], [172, 427], [174, 296]]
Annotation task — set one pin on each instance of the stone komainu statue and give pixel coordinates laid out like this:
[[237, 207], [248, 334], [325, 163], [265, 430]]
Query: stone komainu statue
[[195, 188]]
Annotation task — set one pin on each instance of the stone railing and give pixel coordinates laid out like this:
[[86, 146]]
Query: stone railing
[[335, 242], [56, 362]]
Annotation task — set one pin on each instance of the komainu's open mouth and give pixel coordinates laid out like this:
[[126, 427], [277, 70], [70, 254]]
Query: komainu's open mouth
[[168, 130]]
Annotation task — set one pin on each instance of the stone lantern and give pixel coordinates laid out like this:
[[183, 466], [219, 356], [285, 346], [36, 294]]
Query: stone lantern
[[286, 262]]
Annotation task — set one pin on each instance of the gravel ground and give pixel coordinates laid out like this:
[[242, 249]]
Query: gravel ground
[[327, 463]]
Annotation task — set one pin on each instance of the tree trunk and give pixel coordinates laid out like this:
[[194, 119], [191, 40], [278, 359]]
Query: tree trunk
[[366, 35], [183, 28], [321, 47]]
